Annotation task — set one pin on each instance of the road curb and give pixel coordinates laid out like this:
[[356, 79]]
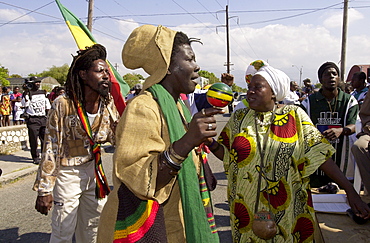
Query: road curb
[[14, 176]]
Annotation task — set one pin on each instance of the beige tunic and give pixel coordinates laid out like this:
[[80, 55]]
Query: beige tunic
[[142, 134]]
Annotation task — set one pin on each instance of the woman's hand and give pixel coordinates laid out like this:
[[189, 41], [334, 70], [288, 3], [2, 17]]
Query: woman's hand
[[202, 126], [359, 207]]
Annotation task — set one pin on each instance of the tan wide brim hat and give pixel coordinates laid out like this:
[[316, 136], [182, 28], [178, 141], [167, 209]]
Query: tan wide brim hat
[[149, 47]]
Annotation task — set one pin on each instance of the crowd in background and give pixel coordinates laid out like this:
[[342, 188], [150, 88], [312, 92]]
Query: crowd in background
[[11, 108]]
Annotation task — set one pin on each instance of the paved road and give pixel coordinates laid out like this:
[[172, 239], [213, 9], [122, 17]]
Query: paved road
[[20, 222]]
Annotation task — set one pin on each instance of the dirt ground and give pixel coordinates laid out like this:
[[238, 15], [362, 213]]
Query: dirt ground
[[341, 228]]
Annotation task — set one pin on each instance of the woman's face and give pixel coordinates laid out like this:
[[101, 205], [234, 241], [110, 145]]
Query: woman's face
[[259, 95], [183, 72]]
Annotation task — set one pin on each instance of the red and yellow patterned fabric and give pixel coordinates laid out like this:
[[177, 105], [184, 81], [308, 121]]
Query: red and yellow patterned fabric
[[5, 105], [294, 150]]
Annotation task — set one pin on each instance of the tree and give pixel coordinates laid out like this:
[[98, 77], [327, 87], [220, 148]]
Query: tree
[[210, 76], [15, 76], [236, 88], [59, 73], [132, 78], [4, 74]]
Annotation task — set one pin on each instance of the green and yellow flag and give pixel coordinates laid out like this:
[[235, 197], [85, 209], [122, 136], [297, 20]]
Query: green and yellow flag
[[84, 39]]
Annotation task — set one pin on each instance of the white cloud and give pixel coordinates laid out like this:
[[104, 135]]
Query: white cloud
[[282, 46], [305, 46], [127, 26], [335, 20], [10, 14]]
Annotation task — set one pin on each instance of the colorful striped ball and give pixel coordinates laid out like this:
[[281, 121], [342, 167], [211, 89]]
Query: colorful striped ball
[[219, 95]]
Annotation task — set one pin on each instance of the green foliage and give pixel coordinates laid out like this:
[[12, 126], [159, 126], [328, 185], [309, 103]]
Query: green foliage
[[59, 73], [132, 78], [318, 85], [5, 83], [33, 74], [210, 76], [236, 88], [48, 88], [15, 76], [4, 74]]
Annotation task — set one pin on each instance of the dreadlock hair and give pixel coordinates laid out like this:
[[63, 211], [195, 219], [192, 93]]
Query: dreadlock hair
[[74, 85], [181, 39]]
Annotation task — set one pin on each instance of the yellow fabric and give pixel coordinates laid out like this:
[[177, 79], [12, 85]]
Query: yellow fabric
[[80, 36], [143, 135], [294, 150], [149, 47]]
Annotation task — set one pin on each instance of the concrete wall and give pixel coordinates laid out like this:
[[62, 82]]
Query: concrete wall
[[13, 138]]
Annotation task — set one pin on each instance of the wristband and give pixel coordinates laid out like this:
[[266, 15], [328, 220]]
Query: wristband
[[163, 162], [175, 156], [213, 143], [170, 162]]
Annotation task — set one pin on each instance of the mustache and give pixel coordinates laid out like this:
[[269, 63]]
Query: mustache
[[109, 83]]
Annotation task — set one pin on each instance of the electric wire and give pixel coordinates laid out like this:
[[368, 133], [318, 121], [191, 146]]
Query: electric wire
[[24, 14]]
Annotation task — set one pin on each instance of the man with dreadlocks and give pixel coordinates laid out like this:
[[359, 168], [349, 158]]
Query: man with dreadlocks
[[71, 167]]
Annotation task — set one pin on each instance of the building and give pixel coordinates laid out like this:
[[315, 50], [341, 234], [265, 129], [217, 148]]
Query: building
[[47, 83], [359, 68]]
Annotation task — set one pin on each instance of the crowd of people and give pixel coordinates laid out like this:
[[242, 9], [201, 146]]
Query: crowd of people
[[11, 108], [273, 153]]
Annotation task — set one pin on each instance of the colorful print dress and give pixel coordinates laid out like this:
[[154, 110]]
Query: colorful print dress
[[294, 150], [5, 105]]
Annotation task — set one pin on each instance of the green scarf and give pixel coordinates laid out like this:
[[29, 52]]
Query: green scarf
[[197, 227]]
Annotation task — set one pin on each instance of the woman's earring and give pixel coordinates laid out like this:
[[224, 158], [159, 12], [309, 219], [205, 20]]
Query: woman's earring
[[168, 72]]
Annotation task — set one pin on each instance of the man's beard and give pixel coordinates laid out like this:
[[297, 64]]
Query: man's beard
[[103, 91]]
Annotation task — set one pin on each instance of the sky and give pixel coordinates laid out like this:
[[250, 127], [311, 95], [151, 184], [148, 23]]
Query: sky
[[293, 36]]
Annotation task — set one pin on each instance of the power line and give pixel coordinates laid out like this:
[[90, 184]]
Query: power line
[[291, 16], [190, 14], [31, 11]]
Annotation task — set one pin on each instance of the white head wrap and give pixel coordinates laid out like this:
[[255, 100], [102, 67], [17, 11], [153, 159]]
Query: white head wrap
[[278, 81]]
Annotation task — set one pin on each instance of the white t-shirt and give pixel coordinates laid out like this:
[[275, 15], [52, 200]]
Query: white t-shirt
[[18, 111], [38, 105]]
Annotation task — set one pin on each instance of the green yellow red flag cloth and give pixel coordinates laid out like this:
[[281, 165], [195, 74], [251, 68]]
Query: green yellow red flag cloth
[[84, 38]]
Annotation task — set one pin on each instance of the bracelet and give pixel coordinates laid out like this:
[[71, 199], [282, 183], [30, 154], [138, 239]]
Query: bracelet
[[162, 162], [175, 155], [214, 149], [170, 162], [213, 143]]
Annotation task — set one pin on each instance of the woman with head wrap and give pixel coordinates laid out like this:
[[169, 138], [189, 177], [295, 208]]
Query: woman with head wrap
[[269, 151], [160, 189]]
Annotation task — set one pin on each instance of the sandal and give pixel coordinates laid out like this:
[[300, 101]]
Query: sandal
[[330, 188]]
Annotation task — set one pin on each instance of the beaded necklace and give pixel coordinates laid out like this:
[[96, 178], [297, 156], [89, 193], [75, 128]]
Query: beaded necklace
[[335, 105], [262, 123]]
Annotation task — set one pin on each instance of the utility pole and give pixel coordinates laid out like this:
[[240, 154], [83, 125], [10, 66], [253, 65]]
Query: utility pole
[[228, 63], [227, 41], [90, 14], [344, 41]]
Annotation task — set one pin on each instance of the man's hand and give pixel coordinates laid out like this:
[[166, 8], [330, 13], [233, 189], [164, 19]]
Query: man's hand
[[44, 203], [227, 78], [332, 133]]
